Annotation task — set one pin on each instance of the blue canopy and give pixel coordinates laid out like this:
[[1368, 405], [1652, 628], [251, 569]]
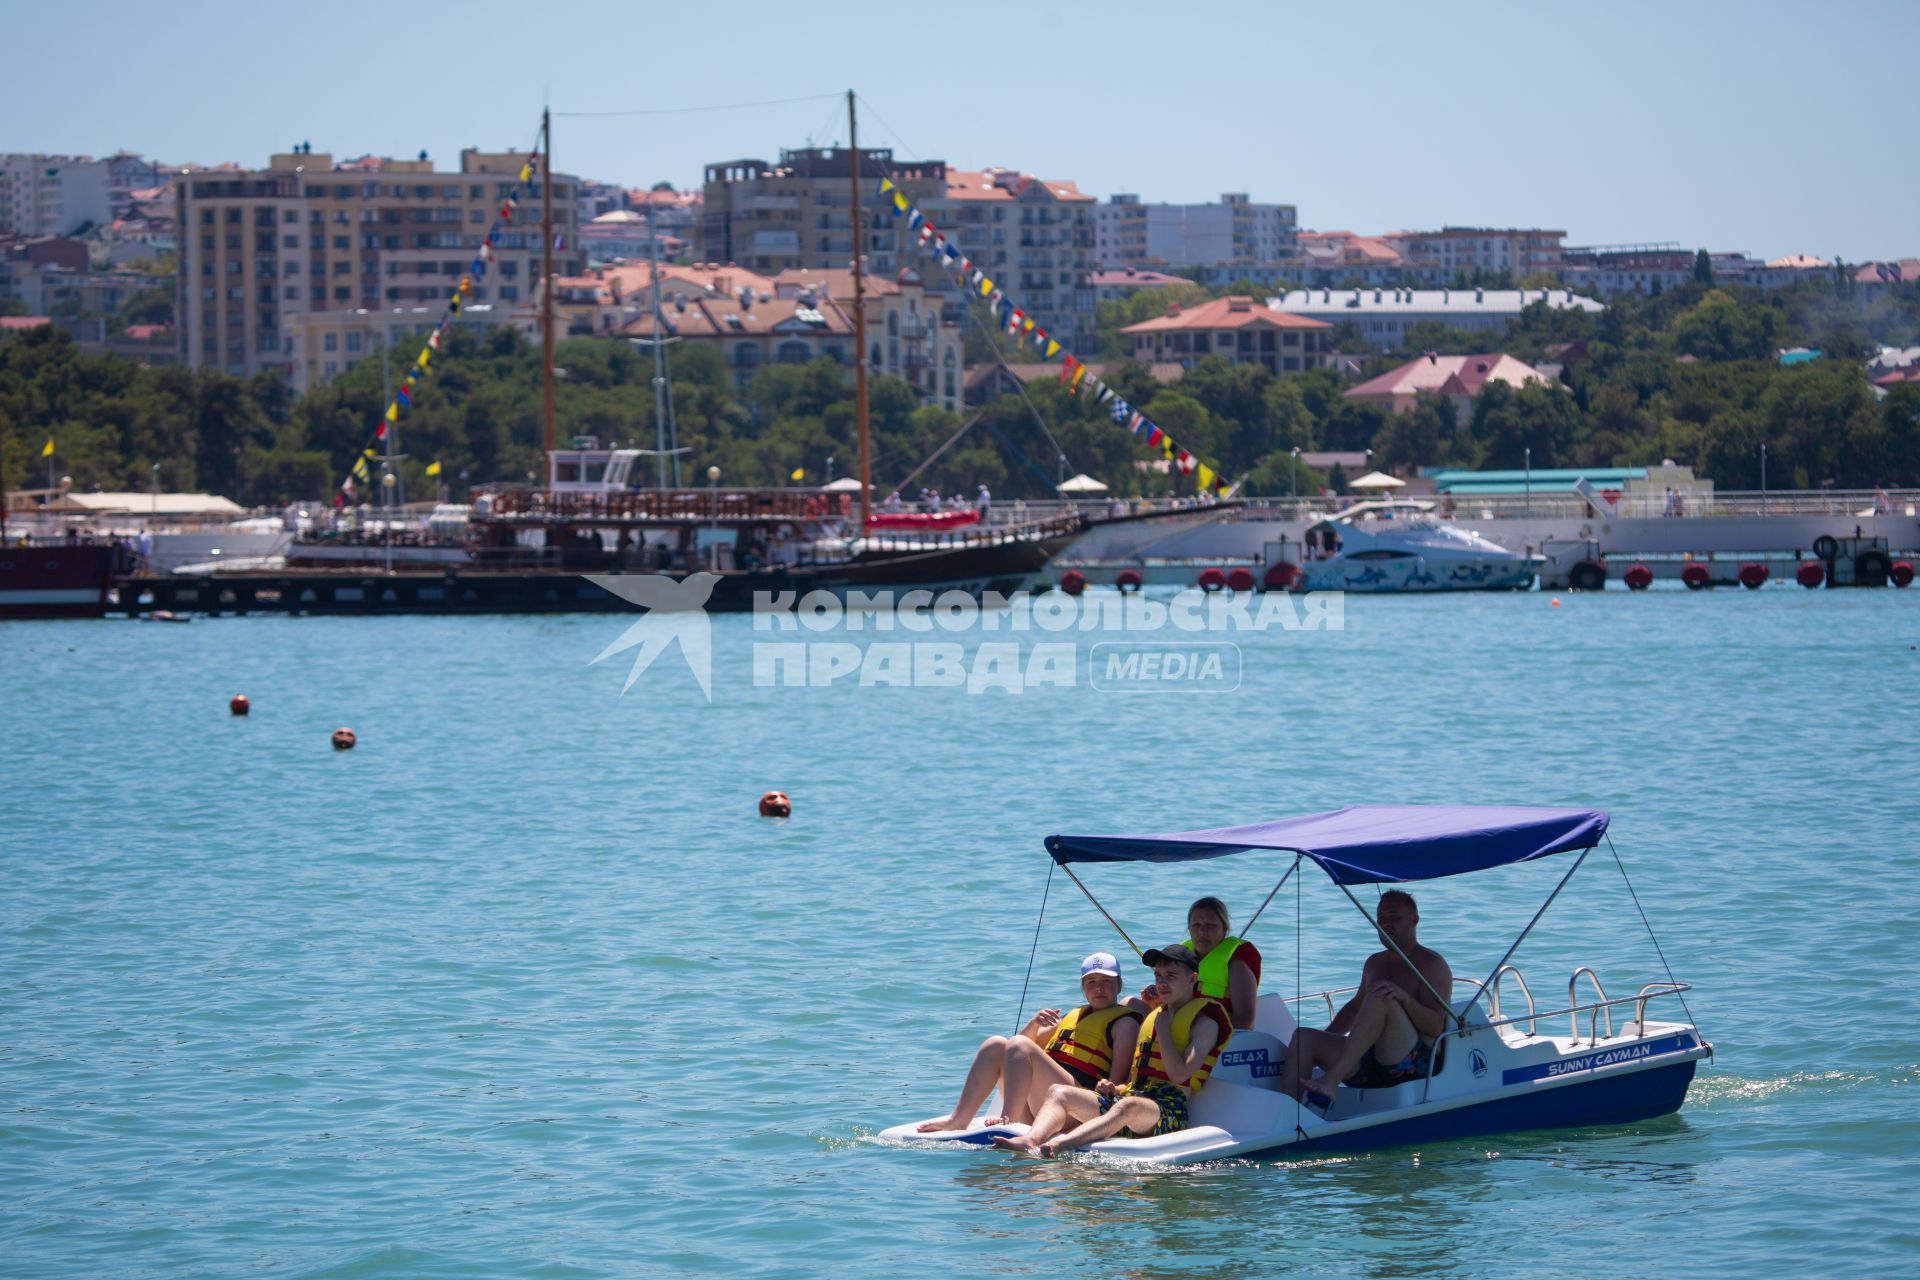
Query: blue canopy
[[1368, 843]]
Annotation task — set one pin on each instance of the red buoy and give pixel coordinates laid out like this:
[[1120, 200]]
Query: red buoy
[[1212, 580], [1696, 576], [1127, 579], [343, 740], [1280, 575], [1901, 574], [1810, 573], [1073, 582], [775, 804], [239, 705], [1240, 579], [1753, 575], [1637, 577]]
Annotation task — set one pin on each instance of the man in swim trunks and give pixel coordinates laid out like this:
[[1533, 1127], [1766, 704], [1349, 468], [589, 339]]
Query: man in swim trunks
[[1383, 1036], [1088, 1045], [1179, 1044]]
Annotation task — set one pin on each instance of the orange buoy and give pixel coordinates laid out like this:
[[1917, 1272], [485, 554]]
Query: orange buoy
[[1697, 577], [1212, 580], [1240, 580], [1901, 574], [1811, 573], [1127, 580], [1073, 582], [239, 705], [1753, 575], [1556, 602], [1638, 577], [775, 804], [344, 740]]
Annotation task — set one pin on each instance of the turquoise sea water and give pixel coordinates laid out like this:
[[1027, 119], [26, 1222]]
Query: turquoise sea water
[[524, 987]]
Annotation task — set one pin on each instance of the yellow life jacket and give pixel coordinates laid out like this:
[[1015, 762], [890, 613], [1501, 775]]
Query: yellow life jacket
[[1082, 1042], [1213, 970], [1147, 1064]]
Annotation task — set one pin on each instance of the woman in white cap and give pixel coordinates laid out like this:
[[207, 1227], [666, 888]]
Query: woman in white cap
[[1091, 1043]]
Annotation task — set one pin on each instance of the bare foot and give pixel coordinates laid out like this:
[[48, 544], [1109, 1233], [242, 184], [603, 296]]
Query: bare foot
[[1019, 1146], [940, 1125], [999, 1120]]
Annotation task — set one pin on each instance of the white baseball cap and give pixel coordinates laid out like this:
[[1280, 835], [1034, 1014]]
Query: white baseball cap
[[1101, 962]]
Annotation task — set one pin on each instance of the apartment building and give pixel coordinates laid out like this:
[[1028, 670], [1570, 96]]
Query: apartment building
[[1034, 236], [1438, 256], [906, 335], [1235, 236], [319, 345], [258, 248], [780, 217], [1385, 315], [53, 195], [1239, 330]]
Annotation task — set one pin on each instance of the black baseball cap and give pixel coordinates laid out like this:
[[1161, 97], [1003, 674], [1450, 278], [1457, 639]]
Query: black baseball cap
[[1179, 953]]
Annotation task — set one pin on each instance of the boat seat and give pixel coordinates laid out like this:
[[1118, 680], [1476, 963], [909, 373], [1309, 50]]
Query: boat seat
[[1251, 1058]]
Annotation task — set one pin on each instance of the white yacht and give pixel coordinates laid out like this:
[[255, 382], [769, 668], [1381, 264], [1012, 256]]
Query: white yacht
[[1398, 544]]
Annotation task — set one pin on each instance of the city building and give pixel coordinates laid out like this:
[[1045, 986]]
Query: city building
[[1385, 315], [1457, 379], [1440, 256], [751, 330], [625, 235], [604, 298], [1238, 330], [319, 345], [1124, 282], [53, 195], [1233, 239], [1611, 270], [1336, 258], [1034, 237], [906, 336], [771, 218], [257, 248]]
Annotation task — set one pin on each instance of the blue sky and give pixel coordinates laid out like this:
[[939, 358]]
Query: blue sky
[[1767, 127]]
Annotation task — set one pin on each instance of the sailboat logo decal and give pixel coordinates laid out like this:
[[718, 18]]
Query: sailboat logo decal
[[675, 611]]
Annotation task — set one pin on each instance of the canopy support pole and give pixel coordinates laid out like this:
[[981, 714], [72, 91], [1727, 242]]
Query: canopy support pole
[[1648, 924], [1102, 910], [1018, 1021], [1524, 932], [1446, 1004], [1276, 889]]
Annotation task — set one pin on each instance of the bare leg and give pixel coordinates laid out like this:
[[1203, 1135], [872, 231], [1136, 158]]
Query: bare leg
[[1026, 1074], [1136, 1114], [1064, 1102], [1380, 1025], [1308, 1049], [981, 1077]]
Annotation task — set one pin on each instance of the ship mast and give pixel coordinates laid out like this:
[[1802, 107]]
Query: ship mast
[[859, 312], [546, 297]]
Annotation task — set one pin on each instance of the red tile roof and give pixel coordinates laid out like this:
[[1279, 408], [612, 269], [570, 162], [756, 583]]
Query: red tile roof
[[1134, 276], [1449, 376], [1224, 313], [1006, 184], [725, 317], [24, 322]]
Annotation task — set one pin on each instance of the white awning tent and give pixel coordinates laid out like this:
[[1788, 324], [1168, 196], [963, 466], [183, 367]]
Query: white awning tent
[[1082, 483], [845, 484], [1377, 480]]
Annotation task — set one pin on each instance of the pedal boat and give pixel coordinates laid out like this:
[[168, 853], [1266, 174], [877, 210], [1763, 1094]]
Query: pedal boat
[[1598, 1061]]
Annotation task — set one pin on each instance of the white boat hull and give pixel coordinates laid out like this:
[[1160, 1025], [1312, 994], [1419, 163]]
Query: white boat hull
[[1491, 1080]]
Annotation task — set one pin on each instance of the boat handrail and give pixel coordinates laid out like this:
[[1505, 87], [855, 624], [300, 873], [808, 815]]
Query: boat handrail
[[1593, 1020], [1653, 991], [1491, 1023], [1493, 995]]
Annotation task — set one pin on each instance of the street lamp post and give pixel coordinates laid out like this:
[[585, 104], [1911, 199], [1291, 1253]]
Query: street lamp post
[[713, 497], [387, 481], [1527, 455], [1763, 479], [1293, 479]]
